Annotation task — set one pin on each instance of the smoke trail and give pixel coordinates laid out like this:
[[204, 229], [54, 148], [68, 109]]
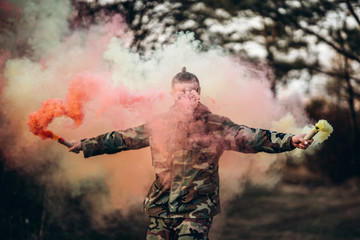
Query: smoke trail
[[42, 59], [84, 88]]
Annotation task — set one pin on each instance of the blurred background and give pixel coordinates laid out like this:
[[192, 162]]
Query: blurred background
[[313, 49]]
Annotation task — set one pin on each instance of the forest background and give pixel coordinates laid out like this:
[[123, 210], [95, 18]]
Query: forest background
[[312, 48]]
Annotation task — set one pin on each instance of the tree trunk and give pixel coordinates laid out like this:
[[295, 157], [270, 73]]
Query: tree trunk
[[351, 102]]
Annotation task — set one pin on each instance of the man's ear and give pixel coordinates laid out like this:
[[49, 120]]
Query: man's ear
[[199, 90]]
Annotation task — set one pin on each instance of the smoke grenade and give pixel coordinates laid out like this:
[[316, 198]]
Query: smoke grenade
[[323, 128], [65, 142]]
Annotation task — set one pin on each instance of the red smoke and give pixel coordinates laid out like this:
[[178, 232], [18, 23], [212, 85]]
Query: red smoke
[[84, 88], [39, 120]]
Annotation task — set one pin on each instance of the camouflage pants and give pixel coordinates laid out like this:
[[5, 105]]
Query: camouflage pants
[[178, 228]]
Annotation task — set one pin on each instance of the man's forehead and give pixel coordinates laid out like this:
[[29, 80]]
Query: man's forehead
[[184, 85]]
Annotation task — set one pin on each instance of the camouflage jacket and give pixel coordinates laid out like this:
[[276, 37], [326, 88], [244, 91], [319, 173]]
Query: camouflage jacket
[[186, 160]]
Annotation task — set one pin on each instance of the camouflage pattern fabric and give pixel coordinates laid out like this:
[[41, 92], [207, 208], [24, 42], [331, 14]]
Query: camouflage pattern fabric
[[185, 154], [178, 228]]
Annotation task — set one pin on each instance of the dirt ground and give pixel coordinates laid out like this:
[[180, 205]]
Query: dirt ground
[[301, 207], [292, 211]]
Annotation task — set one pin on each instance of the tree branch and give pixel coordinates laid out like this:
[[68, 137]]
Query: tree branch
[[331, 44], [352, 11], [335, 74]]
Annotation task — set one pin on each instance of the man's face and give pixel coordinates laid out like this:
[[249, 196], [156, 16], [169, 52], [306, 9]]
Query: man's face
[[186, 95], [185, 90]]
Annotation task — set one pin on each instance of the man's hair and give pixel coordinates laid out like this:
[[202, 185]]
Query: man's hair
[[184, 76]]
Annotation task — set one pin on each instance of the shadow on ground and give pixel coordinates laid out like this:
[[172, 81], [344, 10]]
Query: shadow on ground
[[293, 211]]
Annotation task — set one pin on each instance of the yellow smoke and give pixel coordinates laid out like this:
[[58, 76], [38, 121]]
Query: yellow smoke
[[320, 132]]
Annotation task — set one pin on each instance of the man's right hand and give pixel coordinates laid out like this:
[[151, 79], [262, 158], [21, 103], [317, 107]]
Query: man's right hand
[[76, 148], [298, 141]]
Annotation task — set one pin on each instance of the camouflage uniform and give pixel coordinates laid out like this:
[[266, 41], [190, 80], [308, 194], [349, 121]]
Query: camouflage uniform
[[179, 228], [186, 161]]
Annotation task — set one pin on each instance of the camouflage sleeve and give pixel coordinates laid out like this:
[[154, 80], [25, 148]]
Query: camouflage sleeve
[[116, 141], [251, 140]]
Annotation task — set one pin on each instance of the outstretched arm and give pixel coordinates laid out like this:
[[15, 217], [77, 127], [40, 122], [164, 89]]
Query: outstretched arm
[[251, 140], [112, 142]]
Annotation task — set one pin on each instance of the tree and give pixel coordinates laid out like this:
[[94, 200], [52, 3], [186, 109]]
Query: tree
[[297, 38]]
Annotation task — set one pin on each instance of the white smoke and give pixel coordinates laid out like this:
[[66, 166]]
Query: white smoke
[[56, 54]]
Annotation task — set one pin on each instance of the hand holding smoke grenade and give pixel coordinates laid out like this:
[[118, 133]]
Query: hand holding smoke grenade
[[323, 127]]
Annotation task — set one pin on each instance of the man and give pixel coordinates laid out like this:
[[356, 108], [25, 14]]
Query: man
[[186, 143]]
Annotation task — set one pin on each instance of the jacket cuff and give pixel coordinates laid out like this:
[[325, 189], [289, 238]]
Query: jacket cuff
[[289, 143], [84, 149]]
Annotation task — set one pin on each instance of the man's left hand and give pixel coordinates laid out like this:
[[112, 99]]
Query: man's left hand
[[298, 141]]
